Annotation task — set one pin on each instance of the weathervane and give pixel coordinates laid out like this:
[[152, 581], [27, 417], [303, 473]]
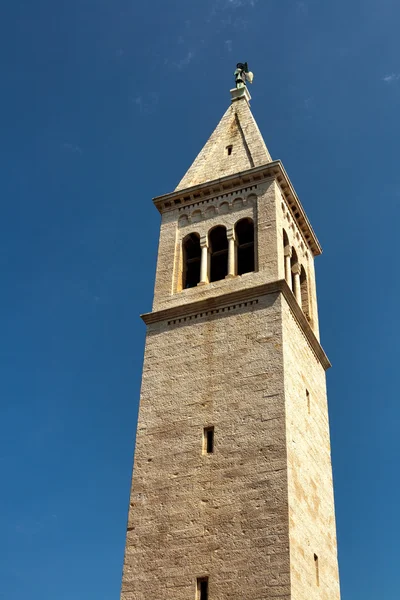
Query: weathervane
[[242, 74]]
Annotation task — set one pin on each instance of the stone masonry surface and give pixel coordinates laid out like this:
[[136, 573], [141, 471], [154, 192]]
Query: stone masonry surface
[[312, 528], [238, 129], [224, 515]]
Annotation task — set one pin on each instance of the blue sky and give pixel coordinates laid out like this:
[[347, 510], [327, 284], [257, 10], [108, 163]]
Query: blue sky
[[104, 105]]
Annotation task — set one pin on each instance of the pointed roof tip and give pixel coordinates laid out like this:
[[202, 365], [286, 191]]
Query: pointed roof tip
[[235, 145]]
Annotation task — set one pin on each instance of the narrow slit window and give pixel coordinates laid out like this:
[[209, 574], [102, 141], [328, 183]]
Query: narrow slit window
[[202, 588], [316, 569], [208, 440], [229, 150], [308, 401]]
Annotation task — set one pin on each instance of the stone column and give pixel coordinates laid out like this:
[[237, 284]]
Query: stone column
[[230, 234], [296, 272], [288, 272], [204, 261]]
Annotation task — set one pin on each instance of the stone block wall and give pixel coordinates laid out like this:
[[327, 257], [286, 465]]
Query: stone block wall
[[237, 130], [223, 515], [312, 528]]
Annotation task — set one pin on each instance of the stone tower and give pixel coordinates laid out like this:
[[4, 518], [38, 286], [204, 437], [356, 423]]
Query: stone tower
[[232, 494]]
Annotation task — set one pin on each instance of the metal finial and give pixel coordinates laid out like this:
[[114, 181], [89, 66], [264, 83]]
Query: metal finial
[[242, 75]]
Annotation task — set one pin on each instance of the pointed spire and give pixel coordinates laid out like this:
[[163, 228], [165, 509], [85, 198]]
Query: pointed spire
[[236, 145]]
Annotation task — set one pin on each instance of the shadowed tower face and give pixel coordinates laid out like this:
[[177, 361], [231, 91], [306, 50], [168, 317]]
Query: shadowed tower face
[[232, 493]]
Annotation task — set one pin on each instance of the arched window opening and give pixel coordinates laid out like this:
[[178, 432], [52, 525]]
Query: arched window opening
[[219, 253], [285, 239], [245, 246], [286, 258], [304, 293], [293, 262], [191, 260]]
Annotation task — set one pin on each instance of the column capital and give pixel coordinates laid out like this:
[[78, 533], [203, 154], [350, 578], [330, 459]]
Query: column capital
[[231, 234], [203, 241], [287, 251], [296, 269]]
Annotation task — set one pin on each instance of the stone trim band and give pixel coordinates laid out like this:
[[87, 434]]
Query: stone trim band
[[208, 304], [250, 177]]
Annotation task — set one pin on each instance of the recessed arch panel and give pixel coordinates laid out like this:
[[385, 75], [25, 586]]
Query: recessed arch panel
[[183, 220], [224, 208], [196, 216]]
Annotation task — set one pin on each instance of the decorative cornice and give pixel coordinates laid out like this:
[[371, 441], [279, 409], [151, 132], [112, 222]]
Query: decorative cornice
[[217, 302], [232, 183]]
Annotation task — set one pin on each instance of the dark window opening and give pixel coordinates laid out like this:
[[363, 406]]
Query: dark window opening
[[285, 239], [208, 440], [245, 246], [316, 568], [191, 260], [304, 293], [293, 263], [288, 275], [308, 401], [229, 150], [219, 253], [202, 588]]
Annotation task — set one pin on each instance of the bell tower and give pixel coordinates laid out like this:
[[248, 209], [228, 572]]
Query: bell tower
[[232, 493]]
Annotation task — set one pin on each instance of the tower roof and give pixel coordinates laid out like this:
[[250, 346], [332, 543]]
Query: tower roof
[[235, 145]]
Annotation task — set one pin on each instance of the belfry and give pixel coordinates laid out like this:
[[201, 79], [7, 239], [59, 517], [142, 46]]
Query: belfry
[[232, 493]]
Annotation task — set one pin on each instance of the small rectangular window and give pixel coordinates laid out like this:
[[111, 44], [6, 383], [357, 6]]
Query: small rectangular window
[[202, 588], [229, 150], [308, 401], [316, 568], [208, 440]]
